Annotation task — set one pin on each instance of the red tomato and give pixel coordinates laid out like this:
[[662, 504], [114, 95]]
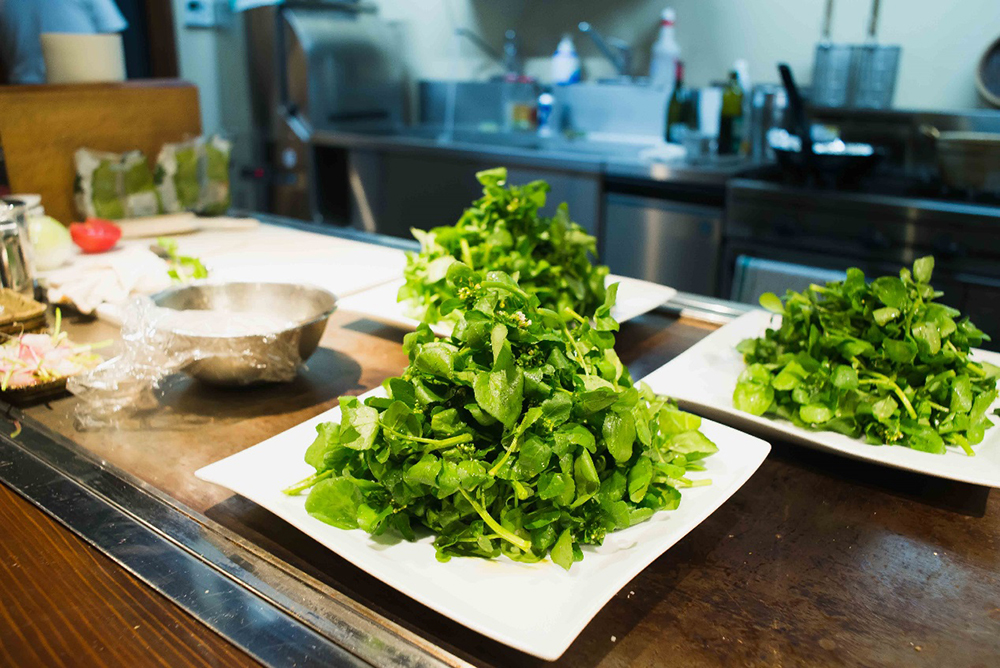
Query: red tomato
[[96, 235]]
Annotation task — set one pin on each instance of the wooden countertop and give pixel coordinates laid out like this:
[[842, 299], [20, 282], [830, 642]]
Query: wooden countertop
[[62, 603], [817, 560]]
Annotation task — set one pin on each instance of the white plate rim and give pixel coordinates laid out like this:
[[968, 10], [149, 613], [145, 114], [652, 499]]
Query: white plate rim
[[378, 302]]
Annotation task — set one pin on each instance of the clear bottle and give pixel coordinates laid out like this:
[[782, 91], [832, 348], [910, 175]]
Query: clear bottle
[[565, 62], [666, 53], [731, 122]]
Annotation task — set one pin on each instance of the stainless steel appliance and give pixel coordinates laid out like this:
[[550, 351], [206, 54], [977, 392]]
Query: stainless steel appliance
[[667, 241], [324, 65], [879, 225]]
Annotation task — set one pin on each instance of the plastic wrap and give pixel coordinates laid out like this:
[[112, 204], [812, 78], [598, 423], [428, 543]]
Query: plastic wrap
[[159, 342]]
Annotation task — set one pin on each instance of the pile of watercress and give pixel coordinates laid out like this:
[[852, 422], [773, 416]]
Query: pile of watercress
[[503, 231], [882, 361], [520, 435]]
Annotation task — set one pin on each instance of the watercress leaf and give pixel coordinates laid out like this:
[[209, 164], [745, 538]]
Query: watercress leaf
[[436, 358], [619, 435], [557, 408], [359, 424], [753, 398], [639, 478], [890, 291], [327, 437], [772, 302], [335, 501], [927, 337], [885, 315], [961, 395], [603, 322], [923, 268], [844, 377], [692, 444], [901, 352], [500, 393], [815, 413], [425, 471], [562, 550]]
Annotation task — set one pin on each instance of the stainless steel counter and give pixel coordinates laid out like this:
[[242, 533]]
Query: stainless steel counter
[[609, 159]]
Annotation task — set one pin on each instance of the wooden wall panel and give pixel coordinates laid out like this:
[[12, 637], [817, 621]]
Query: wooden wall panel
[[42, 126]]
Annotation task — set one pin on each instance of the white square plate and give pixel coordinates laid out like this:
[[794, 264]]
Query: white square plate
[[635, 297], [457, 588], [703, 378]]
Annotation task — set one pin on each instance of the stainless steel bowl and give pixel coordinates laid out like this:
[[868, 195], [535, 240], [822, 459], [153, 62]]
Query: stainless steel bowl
[[245, 359]]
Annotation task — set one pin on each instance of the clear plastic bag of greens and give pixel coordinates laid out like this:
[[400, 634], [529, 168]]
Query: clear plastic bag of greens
[[114, 185], [215, 197], [194, 176], [177, 179]]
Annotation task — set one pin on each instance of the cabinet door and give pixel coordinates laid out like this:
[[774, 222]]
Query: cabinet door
[[668, 242], [982, 305], [395, 191]]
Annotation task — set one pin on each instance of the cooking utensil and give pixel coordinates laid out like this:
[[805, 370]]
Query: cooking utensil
[[873, 69], [967, 160], [800, 121], [831, 67], [239, 359], [988, 74], [829, 160]]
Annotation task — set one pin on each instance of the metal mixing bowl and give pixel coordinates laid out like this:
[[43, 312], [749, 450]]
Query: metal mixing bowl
[[307, 307]]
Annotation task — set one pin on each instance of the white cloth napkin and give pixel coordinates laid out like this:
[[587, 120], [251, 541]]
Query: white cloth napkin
[[113, 277]]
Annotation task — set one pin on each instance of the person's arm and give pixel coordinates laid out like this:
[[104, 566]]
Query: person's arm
[[20, 50], [106, 16]]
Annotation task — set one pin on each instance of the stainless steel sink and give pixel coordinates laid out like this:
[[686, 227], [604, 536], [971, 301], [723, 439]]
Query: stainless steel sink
[[477, 112]]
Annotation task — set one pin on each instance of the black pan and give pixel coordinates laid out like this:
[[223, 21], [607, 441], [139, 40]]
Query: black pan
[[835, 162]]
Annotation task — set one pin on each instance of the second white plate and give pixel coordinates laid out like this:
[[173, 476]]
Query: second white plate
[[635, 297], [703, 378]]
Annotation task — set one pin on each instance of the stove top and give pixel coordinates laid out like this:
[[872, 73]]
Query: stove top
[[925, 184]]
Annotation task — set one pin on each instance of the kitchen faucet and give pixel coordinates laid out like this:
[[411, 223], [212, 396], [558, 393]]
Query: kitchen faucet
[[615, 50], [509, 59]]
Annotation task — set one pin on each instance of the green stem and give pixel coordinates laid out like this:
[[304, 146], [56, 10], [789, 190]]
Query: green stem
[[305, 484], [576, 315], [980, 371], [438, 443], [513, 539], [886, 381], [506, 456], [576, 348], [513, 289], [466, 252]]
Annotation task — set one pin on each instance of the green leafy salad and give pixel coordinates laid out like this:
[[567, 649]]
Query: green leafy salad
[[503, 231], [882, 361], [520, 435]]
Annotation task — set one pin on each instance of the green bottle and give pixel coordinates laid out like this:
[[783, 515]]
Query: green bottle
[[679, 110], [731, 123]]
